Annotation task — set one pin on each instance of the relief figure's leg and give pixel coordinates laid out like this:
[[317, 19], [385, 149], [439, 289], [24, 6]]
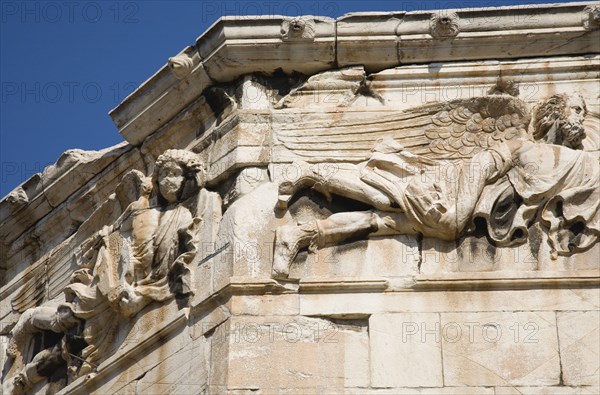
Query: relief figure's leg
[[37, 370], [41, 318], [339, 227], [346, 183]]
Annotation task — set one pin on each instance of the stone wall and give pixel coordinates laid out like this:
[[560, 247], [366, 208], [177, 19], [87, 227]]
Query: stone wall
[[236, 244]]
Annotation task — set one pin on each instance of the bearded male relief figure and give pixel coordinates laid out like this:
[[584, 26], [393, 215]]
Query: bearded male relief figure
[[486, 142], [406, 202], [559, 120]]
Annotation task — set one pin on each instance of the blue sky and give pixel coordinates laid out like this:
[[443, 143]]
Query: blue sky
[[65, 64]]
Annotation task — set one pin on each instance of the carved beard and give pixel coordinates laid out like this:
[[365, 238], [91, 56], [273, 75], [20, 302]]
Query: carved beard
[[573, 134], [559, 120], [567, 132]]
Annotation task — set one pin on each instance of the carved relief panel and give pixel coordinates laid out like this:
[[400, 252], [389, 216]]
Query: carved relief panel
[[145, 256]]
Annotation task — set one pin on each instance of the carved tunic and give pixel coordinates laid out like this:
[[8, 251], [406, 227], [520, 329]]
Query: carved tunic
[[439, 198], [150, 264], [564, 184]]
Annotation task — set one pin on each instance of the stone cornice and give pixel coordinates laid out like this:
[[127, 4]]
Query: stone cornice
[[234, 46]]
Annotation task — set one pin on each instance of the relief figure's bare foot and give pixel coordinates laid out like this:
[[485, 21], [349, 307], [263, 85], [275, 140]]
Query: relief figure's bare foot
[[289, 239]]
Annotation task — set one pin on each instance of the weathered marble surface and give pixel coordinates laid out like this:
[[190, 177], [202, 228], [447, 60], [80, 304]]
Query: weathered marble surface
[[241, 242]]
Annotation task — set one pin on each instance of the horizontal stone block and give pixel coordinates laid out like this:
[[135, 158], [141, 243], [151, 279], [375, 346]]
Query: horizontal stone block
[[554, 390], [499, 348], [234, 46], [579, 341], [290, 354], [421, 391], [488, 300], [399, 359], [473, 254], [272, 305], [396, 256], [185, 372], [418, 48], [362, 36]]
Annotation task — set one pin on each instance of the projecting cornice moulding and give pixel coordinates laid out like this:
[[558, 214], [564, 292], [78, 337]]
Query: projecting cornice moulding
[[235, 46]]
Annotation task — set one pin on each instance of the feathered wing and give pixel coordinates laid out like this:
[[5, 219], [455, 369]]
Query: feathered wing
[[450, 130], [465, 127]]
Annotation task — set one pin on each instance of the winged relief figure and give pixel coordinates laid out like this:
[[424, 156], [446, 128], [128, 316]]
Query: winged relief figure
[[140, 258], [433, 169]]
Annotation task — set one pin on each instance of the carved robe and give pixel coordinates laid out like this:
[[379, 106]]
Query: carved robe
[[559, 184], [148, 256], [439, 198], [436, 197]]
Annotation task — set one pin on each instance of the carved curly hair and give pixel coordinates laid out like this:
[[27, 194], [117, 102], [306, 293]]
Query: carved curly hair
[[190, 163], [553, 113]]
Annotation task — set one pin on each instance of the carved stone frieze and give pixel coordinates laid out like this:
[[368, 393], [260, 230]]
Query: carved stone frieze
[[402, 201], [142, 257], [477, 160]]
